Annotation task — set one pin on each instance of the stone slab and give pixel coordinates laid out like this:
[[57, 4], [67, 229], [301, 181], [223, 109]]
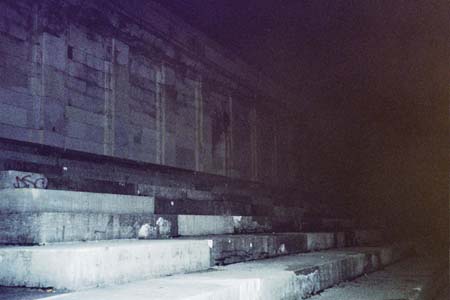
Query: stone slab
[[77, 266], [39, 200], [253, 224], [15, 179], [192, 225], [203, 225], [206, 207], [38, 228], [324, 240], [287, 277], [228, 249]]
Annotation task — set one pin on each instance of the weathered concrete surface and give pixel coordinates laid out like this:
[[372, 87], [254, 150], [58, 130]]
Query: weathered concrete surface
[[287, 277], [413, 279], [191, 225], [38, 216], [325, 240], [204, 225], [15, 180], [78, 266], [234, 248], [38, 228], [228, 249], [254, 224], [38, 200]]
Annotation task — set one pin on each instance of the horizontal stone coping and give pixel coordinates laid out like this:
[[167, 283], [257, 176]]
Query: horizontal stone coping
[[40, 200]]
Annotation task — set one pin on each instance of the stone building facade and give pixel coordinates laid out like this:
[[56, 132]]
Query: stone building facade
[[130, 80]]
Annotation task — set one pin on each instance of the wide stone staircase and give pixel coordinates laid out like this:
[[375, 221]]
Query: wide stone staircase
[[101, 228]]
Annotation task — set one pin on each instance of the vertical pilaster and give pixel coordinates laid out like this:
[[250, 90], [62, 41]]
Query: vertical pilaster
[[36, 85], [228, 157], [253, 143], [160, 114], [198, 125], [110, 114], [275, 150], [116, 101]]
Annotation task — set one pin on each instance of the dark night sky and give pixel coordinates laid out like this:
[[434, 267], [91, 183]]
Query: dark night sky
[[373, 78]]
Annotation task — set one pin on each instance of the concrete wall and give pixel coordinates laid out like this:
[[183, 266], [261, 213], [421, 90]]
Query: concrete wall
[[136, 82]]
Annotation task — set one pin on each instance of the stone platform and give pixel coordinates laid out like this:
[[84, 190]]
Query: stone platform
[[287, 277], [85, 264], [76, 266]]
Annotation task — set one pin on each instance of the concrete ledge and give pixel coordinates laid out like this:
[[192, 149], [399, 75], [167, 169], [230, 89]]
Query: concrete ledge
[[39, 200], [38, 228], [86, 265], [192, 225], [203, 225], [229, 249], [287, 277]]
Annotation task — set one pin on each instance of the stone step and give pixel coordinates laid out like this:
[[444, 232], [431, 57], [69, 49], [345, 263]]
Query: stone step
[[167, 200], [76, 266], [228, 249], [38, 228], [227, 207], [38, 216], [288, 277], [42, 228], [40, 200], [88, 265]]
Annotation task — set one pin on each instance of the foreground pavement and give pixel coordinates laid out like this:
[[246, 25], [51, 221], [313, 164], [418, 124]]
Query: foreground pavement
[[411, 279]]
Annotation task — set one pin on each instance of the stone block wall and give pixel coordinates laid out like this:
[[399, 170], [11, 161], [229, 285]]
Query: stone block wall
[[133, 81]]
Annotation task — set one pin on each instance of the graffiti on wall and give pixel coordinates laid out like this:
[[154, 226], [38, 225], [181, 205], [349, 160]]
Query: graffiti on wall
[[28, 181]]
